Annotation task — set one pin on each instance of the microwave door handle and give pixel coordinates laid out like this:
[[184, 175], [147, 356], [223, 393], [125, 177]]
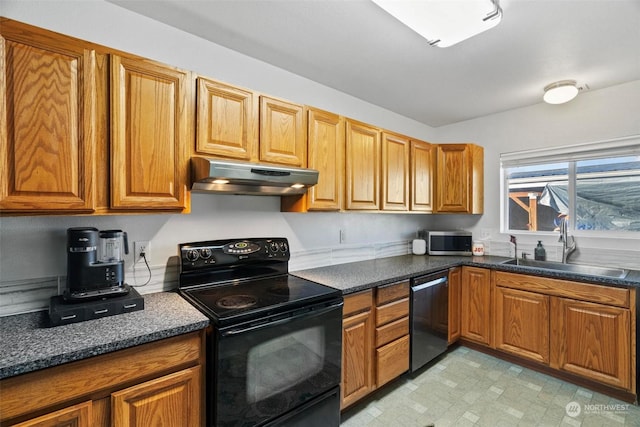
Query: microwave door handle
[[307, 313]]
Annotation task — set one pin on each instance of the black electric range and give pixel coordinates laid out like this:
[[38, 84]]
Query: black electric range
[[274, 354], [233, 281]]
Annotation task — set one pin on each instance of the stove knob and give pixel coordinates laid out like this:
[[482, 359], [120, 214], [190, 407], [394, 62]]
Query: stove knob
[[283, 246], [205, 253], [274, 246], [192, 255]]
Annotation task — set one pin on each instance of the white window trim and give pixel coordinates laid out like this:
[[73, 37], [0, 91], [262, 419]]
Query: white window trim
[[622, 146]]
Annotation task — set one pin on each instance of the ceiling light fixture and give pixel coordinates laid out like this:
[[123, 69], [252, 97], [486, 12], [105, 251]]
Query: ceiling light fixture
[[445, 22], [560, 92]]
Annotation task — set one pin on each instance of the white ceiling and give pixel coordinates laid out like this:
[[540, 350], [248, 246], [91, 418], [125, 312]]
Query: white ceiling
[[357, 48]]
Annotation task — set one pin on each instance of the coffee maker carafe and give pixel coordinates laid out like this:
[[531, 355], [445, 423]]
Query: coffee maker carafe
[[95, 263]]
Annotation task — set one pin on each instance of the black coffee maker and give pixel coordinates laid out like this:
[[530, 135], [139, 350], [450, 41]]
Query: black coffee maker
[[95, 264]]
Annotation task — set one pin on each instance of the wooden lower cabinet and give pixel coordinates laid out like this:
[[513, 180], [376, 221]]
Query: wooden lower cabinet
[[579, 328], [591, 340], [392, 331], [163, 401], [159, 383], [476, 304], [392, 360], [522, 323], [455, 288], [73, 416], [357, 348], [375, 340]]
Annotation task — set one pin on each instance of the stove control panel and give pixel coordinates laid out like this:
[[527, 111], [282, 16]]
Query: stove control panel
[[217, 253]]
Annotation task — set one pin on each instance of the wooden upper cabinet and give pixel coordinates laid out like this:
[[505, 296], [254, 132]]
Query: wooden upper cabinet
[[326, 155], [283, 133], [421, 176], [459, 178], [362, 166], [395, 172], [47, 114], [227, 121], [151, 132]]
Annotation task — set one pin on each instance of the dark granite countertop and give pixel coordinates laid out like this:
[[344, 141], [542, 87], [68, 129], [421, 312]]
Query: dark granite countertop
[[28, 344], [357, 276]]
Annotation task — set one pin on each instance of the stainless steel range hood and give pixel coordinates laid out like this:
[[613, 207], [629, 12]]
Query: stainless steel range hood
[[231, 177]]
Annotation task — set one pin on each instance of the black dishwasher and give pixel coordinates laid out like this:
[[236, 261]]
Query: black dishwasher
[[429, 317]]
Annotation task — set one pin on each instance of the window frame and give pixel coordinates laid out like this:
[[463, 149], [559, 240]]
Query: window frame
[[571, 154]]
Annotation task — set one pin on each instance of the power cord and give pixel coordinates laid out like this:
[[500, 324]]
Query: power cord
[[144, 257]]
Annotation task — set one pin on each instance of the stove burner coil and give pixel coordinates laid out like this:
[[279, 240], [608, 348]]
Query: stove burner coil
[[236, 301]]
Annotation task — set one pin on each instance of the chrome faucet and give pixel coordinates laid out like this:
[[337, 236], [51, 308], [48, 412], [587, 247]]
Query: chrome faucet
[[567, 248]]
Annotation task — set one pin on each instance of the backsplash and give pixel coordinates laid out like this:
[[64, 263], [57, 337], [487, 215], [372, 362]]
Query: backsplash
[[22, 296]]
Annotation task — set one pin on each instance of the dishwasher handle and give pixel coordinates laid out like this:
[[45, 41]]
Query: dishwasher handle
[[429, 284]]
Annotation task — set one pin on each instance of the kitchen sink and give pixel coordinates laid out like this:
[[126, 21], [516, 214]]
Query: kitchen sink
[[591, 270]]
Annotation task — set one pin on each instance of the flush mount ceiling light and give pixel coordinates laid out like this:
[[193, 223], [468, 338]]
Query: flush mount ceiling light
[[560, 92], [444, 22]]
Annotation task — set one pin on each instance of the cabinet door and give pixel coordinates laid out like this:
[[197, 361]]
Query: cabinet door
[[460, 178], [591, 340], [326, 155], [522, 323], [172, 400], [362, 166], [283, 133], [227, 121], [421, 182], [476, 304], [151, 133], [47, 114], [74, 416], [392, 360], [395, 172], [357, 357], [455, 287], [452, 189]]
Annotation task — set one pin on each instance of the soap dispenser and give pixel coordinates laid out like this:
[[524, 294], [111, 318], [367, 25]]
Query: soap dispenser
[[540, 254]]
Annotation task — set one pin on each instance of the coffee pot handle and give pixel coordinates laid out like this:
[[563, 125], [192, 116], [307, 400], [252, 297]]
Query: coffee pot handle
[[126, 243]]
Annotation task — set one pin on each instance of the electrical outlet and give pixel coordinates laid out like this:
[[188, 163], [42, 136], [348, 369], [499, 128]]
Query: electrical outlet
[[139, 248], [343, 236]]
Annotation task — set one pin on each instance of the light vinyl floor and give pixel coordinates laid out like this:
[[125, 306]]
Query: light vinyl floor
[[468, 388]]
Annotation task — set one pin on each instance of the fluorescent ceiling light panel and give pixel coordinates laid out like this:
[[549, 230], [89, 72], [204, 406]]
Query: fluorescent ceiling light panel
[[444, 22]]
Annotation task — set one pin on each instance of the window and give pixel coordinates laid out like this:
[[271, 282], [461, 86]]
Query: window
[[595, 186]]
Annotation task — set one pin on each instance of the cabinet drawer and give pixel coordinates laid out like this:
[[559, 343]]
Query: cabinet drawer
[[392, 311], [564, 288], [392, 360], [392, 331], [356, 303], [392, 292]]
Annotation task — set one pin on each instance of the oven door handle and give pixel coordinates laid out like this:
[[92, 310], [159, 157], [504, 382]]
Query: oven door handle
[[309, 313]]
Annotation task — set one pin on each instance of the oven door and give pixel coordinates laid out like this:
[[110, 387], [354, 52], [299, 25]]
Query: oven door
[[269, 367]]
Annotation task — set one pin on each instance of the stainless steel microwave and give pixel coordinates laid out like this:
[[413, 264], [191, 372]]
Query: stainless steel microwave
[[448, 242]]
